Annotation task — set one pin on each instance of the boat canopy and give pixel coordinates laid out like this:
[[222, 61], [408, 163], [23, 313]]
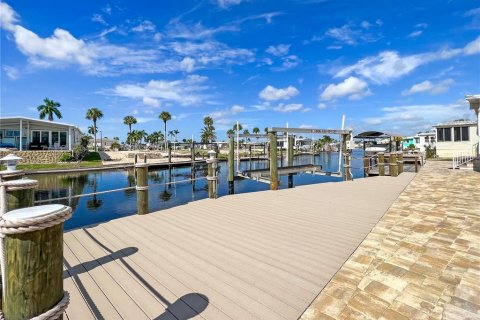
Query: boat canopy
[[376, 135]]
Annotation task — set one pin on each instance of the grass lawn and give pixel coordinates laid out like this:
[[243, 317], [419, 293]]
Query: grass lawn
[[91, 160]]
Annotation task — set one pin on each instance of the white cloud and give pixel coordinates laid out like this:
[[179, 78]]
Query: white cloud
[[152, 102], [352, 87], [11, 72], [8, 17], [322, 106], [187, 64], [99, 18], [390, 65], [413, 118], [228, 3], [271, 93], [288, 62], [421, 25], [427, 86], [352, 35], [188, 91], [278, 50], [415, 34], [288, 107], [145, 26], [146, 119], [237, 109], [135, 111], [306, 126], [157, 36]]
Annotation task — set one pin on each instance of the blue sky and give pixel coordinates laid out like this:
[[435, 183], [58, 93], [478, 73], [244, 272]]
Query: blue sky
[[399, 67]]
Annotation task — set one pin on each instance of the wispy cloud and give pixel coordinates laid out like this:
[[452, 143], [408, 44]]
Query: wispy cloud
[[145, 26], [11, 72], [390, 65], [278, 50], [429, 87], [351, 34]]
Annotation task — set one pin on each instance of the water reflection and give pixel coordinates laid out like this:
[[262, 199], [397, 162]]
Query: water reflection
[[163, 194]]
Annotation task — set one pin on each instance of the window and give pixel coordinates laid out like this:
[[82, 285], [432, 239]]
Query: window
[[12, 133], [36, 137], [456, 134], [55, 138], [440, 134], [44, 138], [417, 140], [63, 138], [448, 134], [465, 134]]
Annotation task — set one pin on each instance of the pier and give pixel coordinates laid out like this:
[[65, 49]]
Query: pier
[[262, 255]]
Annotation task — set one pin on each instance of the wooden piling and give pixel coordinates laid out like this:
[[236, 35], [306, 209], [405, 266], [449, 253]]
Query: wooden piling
[[212, 177], [366, 166], [231, 166], [381, 164], [393, 164], [142, 188], [400, 161], [416, 163], [144, 158], [291, 142], [347, 175], [135, 158], [272, 136], [33, 266], [192, 152]]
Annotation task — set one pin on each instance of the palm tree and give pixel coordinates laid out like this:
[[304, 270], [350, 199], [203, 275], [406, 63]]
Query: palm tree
[[208, 132], [265, 130], [230, 132], [94, 114], [91, 130], [165, 116], [239, 127], [129, 120], [256, 130], [49, 108]]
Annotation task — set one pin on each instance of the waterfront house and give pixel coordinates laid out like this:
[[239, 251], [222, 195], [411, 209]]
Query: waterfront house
[[421, 141], [456, 137], [25, 133]]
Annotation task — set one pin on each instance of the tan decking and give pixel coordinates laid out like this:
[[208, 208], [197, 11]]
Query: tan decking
[[263, 255], [421, 261]]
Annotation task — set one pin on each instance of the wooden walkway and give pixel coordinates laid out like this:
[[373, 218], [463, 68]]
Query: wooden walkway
[[263, 255]]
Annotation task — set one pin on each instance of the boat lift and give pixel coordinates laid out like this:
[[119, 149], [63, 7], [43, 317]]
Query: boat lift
[[270, 175]]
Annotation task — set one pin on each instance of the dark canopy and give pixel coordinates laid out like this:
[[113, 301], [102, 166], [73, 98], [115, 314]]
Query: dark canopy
[[375, 134]]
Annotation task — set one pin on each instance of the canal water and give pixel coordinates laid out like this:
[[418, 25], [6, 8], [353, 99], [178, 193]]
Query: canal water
[[95, 209]]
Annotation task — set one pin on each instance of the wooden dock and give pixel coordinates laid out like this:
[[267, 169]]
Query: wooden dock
[[263, 255]]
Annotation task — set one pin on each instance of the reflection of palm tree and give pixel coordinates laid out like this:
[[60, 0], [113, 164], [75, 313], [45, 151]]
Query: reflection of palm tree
[[94, 203], [131, 182]]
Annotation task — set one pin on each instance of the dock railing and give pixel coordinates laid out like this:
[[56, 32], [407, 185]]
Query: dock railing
[[464, 157]]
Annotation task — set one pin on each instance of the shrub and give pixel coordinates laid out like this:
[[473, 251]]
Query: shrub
[[67, 157], [115, 145], [92, 156]]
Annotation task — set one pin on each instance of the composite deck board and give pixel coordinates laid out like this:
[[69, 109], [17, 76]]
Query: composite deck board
[[262, 255]]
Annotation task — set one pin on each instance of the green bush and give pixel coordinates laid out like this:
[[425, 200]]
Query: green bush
[[67, 157], [115, 145], [92, 156]]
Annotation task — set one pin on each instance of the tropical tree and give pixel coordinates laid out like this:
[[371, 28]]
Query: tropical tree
[[165, 116], [129, 120], [94, 114], [256, 130], [49, 108], [237, 127], [265, 130], [208, 131], [91, 130], [230, 132]]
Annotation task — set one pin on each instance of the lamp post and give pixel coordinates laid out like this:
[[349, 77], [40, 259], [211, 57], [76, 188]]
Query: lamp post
[[11, 161], [474, 101]]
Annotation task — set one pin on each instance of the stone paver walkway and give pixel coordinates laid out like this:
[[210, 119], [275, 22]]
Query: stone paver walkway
[[421, 261]]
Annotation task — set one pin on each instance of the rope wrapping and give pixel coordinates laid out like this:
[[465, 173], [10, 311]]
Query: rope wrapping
[[57, 310]]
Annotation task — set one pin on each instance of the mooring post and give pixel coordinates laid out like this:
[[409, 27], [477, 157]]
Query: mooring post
[[400, 161], [192, 152], [265, 149], [231, 166], [169, 153], [393, 164], [135, 158], [33, 262], [416, 164], [142, 188], [291, 142], [144, 158], [212, 174], [272, 136], [347, 174], [17, 194], [250, 156], [381, 164], [366, 166]]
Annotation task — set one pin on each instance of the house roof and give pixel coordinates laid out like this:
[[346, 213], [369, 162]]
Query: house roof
[[460, 122], [39, 121]]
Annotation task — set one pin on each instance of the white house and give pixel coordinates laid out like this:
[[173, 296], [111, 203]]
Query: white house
[[456, 136], [423, 140], [34, 134]]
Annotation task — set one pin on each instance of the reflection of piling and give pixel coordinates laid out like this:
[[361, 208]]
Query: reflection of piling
[[291, 142], [33, 262], [169, 153], [393, 164], [273, 161], [142, 188], [400, 161], [231, 151], [381, 164]]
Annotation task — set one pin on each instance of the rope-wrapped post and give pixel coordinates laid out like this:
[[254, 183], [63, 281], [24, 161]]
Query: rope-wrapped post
[[347, 173], [291, 142], [33, 262], [381, 164], [142, 188], [231, 167], [212, 174], [16, 194], [400, 161], [393, 164], [272, 136]]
